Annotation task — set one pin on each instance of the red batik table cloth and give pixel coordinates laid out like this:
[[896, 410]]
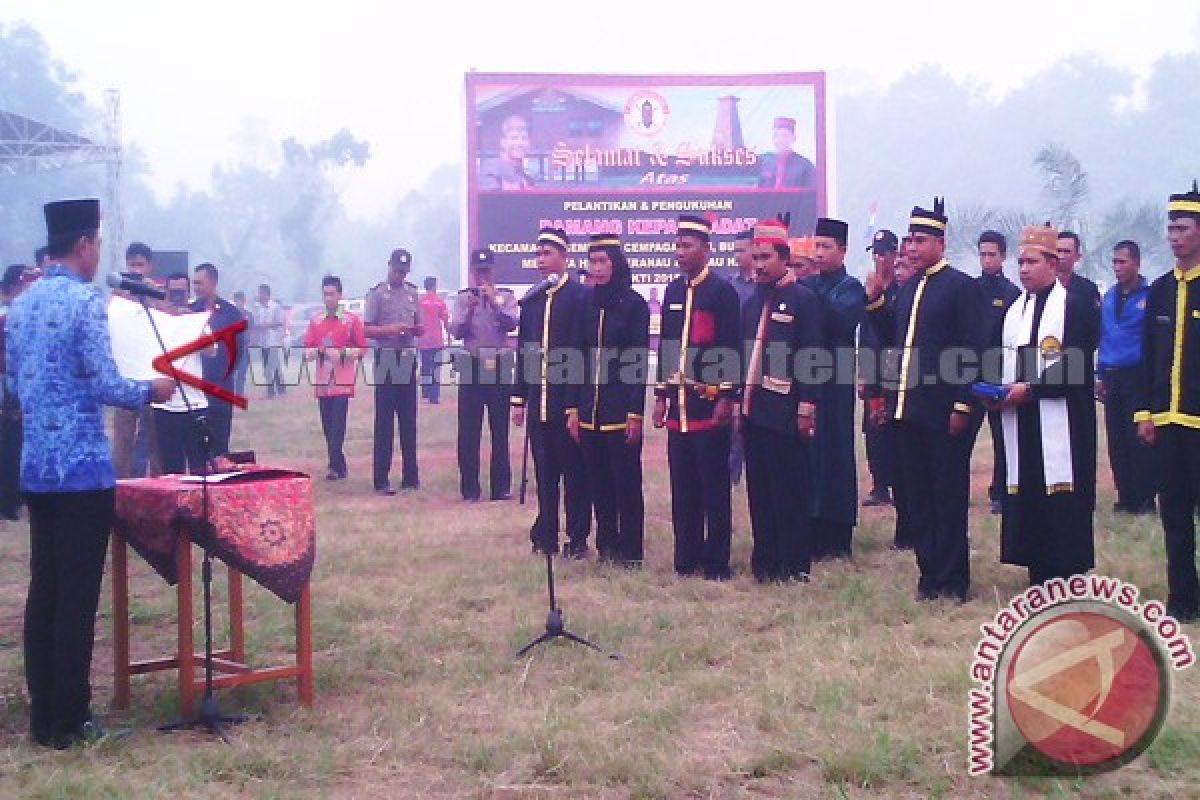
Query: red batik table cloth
[[263, 520]]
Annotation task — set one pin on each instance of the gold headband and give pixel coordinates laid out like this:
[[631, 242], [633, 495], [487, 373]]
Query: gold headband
[[928, 222], [1189, 206], [550, 238]]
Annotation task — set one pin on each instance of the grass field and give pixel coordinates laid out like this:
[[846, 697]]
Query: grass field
[[842, 688]]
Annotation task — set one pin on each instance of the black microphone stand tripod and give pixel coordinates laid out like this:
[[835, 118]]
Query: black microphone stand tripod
[[555, 621], [209, 717]]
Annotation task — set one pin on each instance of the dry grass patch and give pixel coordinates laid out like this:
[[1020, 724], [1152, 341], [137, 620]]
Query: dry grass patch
[[842, 688]]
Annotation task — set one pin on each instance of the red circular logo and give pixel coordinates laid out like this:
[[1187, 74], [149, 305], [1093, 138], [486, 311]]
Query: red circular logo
[[1087, 689]]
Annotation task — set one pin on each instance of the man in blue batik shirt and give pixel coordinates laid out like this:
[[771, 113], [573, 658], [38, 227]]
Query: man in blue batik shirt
[[60, 367]]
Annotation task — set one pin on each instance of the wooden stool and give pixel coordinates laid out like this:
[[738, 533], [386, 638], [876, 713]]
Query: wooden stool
[[229, 665]]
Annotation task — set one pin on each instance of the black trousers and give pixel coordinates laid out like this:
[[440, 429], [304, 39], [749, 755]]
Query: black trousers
[[474, 400], [999, 486], [778, 487], [903, 538], [1133, 463], [558, 460], [68, 536], [1178, 452], [220, 424], [333, 425], [179, 446], [881, 454], [829, 539], [396, 408], [11, 436], [614, 471], [700, 489], [936, 492]]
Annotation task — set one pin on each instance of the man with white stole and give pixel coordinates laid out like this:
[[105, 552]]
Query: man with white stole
[[1049, 438]]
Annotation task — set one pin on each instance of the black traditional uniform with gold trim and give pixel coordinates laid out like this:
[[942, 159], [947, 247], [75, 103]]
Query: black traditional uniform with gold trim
[[542, 386], [1170, 398], [779, 320], [698, 364], [613, 333], [935, 312]]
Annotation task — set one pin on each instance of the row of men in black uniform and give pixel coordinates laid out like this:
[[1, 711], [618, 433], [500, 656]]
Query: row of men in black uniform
[[798, 436]]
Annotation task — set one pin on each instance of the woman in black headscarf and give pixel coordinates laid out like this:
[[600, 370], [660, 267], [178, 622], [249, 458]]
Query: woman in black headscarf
[[606, 418]]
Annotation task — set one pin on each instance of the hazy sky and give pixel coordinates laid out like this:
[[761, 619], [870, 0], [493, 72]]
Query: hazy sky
[[219, 82]]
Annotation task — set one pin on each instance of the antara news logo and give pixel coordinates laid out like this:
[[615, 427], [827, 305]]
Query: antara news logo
[[1074, 679], [228, 337]]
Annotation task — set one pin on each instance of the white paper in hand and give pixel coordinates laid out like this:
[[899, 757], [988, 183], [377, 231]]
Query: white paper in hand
[[134, 346]]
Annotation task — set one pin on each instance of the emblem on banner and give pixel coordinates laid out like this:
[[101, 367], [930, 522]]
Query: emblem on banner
[[646, 113]]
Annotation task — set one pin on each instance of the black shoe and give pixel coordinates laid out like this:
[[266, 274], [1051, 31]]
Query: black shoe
[[410, 486], [576, 551], [545, 550], [1120, 508], [996, 507], [386, 491], [718, 575], [877, 497], [502, 496], [1146, 509], [88, 734], [471, 498]]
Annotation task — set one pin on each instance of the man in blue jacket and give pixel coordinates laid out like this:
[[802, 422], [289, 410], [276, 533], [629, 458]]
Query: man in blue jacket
[[1122, 316], [61, 368]]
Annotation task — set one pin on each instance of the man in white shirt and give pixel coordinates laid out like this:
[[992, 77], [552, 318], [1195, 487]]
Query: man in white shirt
[[266, 332], [179, 446]]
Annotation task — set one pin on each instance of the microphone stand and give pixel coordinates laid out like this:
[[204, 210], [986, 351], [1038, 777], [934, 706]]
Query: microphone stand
[[556, 622], [209, 717]]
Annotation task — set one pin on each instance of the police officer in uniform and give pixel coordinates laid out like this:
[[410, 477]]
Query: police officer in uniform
[[936, 311], [605, 416], [541, 388], [778, 410], [1168, 413], [694, 400], [482, 317], [392, 320]]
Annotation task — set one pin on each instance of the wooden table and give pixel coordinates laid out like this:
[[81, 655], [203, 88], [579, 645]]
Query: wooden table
[[229, 664]]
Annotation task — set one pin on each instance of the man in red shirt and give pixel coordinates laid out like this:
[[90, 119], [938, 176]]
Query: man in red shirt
[[336, 341], [434, 316]]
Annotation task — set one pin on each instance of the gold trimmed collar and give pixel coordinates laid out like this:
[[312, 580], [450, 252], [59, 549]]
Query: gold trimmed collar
[[700, 277], [1188, 276], [936, 268], [562, 281]]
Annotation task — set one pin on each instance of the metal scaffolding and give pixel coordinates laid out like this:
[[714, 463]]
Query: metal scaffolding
[[28, 146]]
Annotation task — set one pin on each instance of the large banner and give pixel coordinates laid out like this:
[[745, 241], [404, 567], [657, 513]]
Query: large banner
[[627, 154]]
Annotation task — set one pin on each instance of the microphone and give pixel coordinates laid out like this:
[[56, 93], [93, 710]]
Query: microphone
[[137, 288], [537, 289]]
